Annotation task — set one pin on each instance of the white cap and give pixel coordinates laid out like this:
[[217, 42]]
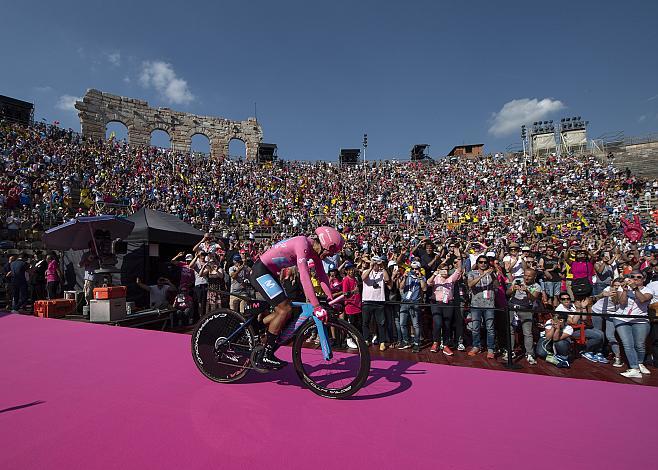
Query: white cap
[[392, 263], [490, 254], [415, 265]]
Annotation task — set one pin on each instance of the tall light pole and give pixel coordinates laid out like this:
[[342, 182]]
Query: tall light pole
[[365, 146], [525, 158]]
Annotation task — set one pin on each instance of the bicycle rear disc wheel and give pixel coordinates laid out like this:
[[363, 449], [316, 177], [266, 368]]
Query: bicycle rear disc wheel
[[216, 357], [342, 375]]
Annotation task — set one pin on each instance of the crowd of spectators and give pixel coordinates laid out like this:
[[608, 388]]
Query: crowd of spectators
[[467, 236]]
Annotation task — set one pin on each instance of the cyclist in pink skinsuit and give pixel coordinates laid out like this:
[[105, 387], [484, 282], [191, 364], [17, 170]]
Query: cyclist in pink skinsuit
[[295, 251]]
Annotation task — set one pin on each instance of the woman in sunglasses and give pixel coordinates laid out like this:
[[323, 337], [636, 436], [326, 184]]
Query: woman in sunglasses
[[613, 299], [633, 331]]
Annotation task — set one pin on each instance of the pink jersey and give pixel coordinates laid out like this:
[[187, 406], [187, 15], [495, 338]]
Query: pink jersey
[[297, 251]]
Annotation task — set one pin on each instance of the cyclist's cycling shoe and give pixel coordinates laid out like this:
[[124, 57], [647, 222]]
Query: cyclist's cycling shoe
[[267, 360]]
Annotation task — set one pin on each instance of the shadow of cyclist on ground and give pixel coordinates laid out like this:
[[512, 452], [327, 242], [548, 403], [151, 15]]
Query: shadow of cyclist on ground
[[386, 378]]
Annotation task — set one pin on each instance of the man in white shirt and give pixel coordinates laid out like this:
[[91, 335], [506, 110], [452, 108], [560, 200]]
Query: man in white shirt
[[158, 292], [374, 278], [13, 224]]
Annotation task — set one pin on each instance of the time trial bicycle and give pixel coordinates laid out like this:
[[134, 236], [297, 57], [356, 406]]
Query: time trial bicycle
[[225, 343]]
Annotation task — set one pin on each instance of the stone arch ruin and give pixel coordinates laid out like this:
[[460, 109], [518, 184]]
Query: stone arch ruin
[[97, 109]]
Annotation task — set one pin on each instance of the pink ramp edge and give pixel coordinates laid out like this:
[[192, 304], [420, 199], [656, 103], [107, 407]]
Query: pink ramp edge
[[77, 395]]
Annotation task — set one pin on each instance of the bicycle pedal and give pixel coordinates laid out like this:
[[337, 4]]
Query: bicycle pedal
[[260, 349]]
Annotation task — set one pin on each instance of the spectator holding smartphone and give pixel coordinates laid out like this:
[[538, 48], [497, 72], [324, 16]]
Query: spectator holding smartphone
[[633, 332], [412, 284], [374, 279], [443, 307], [554, 346], [523, 295], [612, 300], [483, 284]]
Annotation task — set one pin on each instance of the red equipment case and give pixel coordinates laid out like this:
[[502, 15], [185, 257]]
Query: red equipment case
[[57, 308], [105, 293]]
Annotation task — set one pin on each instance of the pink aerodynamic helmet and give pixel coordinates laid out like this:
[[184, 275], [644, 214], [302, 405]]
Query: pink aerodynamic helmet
[[330, 239]]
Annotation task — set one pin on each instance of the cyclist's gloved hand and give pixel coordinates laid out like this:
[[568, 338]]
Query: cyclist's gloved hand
[[321, 313]]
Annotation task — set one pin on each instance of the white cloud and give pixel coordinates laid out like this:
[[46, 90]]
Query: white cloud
[[652, 98], [161, 76], [642, 118], [126, 79], [43, 89], [114, 58], [523, 111], [67, 102]]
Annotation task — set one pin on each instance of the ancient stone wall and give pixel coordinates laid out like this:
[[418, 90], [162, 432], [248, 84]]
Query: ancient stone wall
[[97, 109]]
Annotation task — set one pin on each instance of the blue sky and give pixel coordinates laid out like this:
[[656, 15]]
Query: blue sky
[[323, 73]]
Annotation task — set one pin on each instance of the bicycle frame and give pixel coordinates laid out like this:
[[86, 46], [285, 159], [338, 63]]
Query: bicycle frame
[[292, 327]]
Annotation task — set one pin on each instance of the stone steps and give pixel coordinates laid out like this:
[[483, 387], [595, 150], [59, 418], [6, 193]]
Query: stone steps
[[641, 159]]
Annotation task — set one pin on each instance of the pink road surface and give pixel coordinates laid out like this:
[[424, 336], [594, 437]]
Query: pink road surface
[[75, 395]]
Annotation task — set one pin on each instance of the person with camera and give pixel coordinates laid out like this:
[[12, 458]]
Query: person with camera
[[201, 269], [208, 244], [513, 262], [612, 300], [375, 278], [443, 305], [633, 332], [604, 267], [554, 346], [551, 267], [428, 258], [523, 295], [239, 274], [483, 284], [412, 284], [581, 268], [393, 308], [650, 270]]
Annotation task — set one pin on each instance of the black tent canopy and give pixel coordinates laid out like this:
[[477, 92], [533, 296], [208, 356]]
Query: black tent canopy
[[168, 232], [159, 227]]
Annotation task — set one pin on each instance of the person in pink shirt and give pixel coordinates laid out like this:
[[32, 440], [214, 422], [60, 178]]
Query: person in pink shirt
[[583, 272], [296, 251], [53, 276], [443, 306], [336, 286], [352, 300]]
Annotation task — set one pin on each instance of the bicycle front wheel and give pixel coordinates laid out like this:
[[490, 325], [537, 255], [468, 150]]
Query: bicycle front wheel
[[219, 358], [342, 375]]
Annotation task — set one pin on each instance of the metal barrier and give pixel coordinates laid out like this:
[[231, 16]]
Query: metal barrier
[[651, 316]]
